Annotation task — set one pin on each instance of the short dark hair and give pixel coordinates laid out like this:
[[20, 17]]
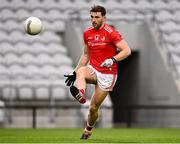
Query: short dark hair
[[98, 8]]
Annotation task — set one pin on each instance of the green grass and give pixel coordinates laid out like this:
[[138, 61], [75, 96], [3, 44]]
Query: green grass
[[120, 135]]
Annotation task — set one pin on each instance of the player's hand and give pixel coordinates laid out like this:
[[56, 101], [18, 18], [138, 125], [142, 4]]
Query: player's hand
[[70, 78], [108, 62]]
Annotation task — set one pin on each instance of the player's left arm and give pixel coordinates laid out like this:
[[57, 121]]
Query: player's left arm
[[125, 50], [121, 44]]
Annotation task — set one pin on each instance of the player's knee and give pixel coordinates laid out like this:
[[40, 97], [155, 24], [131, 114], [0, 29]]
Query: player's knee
[[81, 71], [93, 108]]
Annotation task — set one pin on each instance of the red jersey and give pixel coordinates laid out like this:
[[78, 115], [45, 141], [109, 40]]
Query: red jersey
[[101, 44]]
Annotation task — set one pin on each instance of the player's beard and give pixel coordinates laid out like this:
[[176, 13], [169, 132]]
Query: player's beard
[[97, 25]]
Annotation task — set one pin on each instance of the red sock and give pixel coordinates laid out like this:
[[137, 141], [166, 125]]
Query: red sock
[[83, 99], [82, 91], [89, 128]]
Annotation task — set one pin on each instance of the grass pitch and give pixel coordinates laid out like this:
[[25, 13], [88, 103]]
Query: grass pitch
[[119, 135]]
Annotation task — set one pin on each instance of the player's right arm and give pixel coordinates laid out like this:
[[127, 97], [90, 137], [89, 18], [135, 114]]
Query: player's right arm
[[84, 59]]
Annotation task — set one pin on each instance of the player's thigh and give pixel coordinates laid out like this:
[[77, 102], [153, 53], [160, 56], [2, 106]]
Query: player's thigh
[[88, 74], [98, 96]]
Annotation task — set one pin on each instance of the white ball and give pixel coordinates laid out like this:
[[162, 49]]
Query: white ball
[[33, 25]]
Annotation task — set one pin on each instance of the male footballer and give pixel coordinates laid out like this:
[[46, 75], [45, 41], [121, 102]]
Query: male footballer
[[97, 64]]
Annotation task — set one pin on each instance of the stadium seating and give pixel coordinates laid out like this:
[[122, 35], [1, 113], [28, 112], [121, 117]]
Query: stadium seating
[[164, 16], [7, 14], [177, 15], [169, 27], [26, 58], [22, 14], [2, 113], [175, 58], [172, 37], [32, 67], [172, 48], [160, 5]]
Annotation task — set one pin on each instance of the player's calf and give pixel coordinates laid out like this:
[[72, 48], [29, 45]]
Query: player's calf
[[78, 94]]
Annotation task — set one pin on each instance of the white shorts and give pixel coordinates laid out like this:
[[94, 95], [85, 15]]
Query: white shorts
[[105, 81]]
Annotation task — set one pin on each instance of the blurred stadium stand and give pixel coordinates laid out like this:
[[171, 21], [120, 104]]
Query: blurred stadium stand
[[32, 67]]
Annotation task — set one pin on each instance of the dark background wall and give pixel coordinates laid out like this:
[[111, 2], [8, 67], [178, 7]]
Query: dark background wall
[[125, 91]]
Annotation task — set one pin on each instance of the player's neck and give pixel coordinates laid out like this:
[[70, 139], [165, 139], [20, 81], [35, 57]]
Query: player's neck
[[101, 26]]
